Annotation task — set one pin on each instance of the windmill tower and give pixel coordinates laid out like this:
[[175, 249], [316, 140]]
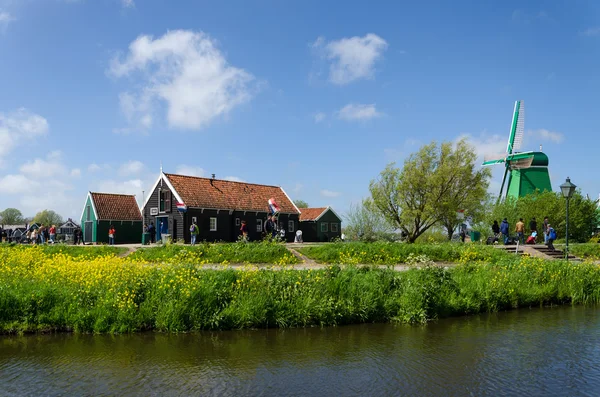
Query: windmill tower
[[525, 172]]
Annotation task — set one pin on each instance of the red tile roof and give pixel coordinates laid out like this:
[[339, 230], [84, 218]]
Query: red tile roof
[[219, 194], [311, 214], [116, 207]]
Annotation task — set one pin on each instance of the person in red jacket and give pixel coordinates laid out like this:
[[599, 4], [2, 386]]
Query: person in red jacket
[[111, 235], [52, 233]]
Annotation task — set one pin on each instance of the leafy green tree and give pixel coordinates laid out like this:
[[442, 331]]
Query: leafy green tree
[[433, 184], [364, 223], [11, 216], [582, 214], [301, 203], [47, 217]]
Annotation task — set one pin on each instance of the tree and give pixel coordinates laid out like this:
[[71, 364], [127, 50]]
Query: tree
[[467, 185], [11, 216], [47, 217], [428, 189], [365, 223], [301, 203]]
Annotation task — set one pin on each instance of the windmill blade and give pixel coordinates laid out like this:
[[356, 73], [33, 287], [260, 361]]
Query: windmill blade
[[502, 186], [491, 159], [520, 131], [513, 128]]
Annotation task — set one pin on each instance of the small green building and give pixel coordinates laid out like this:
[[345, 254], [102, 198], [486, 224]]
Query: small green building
[[101, 210], [320, 224]]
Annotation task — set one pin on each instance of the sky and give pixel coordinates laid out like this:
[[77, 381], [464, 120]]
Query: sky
[[313, 96]]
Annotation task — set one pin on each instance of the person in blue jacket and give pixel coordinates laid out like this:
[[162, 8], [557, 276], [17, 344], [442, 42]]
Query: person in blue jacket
[[504, 229]]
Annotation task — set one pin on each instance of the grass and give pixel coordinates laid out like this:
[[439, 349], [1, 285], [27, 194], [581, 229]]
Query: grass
[[204, 253], [41, 292], [587, 251], [395, 253], [69, 250]]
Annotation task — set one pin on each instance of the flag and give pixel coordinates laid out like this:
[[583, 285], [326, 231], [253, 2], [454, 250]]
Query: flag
[[273, 206]]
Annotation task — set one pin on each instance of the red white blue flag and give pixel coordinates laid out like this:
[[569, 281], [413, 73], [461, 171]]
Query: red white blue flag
[[273, 206], [181, 207]]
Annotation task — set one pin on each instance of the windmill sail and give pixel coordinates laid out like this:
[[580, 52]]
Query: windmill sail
[[517, 127]]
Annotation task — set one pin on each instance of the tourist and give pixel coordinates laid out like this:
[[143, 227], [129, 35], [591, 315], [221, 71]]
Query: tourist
[[504, 229], [520, 229], [111, 235], [33, 236], [244, 231], [496, 229], [152, 231], [270, 226], [40, 233], [533, 225], [76, 236], [53, 234], [274, 229], [545, 229], [463, 235], [194, 231], [551, 237]]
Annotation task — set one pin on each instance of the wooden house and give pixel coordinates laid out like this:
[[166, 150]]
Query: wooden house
[[320, 224], [217, 206], [101, 210], [66, 230]]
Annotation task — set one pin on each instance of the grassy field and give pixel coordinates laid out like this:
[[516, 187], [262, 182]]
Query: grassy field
[[45, 292], [69, 250], [586, 251], [396, 253], [204, 253]]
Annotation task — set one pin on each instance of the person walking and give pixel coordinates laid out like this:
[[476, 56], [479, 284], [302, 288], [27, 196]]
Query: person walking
[[40, 233], [270, 227], [545, 229], [504, 229], [111, 235], [52, 234], [244, 231], [551, 237], [520, 229], [34, 236], [152, 231], [496, 229], [76, 236], [194, 231]]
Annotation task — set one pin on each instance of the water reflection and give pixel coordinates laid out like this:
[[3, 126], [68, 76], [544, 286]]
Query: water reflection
[[536, 352]]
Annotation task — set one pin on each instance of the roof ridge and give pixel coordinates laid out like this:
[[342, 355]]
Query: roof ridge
[[222, 180], [114, 194]]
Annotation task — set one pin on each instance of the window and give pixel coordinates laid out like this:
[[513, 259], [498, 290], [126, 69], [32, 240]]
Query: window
[[89, 216], [259, 225], [165, 201], [291, 226], [334, 227], [324, 227], [213, 224], [194, 219], [237, 221]]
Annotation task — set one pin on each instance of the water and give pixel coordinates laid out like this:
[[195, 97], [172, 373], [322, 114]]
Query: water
[[549, 352]]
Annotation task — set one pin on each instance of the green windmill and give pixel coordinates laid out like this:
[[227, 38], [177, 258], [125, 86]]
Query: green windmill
[[526, 171]]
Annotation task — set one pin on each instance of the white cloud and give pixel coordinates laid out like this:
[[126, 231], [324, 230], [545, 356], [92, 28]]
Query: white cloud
[[354, 112], [320, 116], [487, 146], [595, 31], [131, 186], [76, 173], [234, 179], [351, 58], [18, 125], [187, 71], [128, 3], [546, 135], [329, 193], [190, 170], [43, 169], [17, 184], [5, 19], [132, 167], [94, 167]]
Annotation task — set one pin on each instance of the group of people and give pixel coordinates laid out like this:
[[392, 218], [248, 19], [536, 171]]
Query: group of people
[[504, 230], [42, 235]]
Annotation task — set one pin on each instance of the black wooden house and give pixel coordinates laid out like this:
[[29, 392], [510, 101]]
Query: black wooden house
[[217, 206]]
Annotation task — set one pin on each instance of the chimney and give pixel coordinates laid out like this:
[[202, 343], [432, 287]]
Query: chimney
[[540, 148]]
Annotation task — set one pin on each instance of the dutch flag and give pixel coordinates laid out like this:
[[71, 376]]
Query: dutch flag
[[273, 206]]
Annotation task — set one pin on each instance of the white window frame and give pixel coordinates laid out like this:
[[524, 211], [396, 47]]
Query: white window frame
[[324, 227], [334, 230], [238, 221], [259, 225], [291, 226], [194, 219], [213, 228]]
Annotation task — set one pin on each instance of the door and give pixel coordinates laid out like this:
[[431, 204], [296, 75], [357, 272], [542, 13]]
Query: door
[[87, 232], [162, 226]]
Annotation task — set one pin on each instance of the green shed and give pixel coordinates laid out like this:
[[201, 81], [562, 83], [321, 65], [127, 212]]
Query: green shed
[[320, 224], [101, 210]]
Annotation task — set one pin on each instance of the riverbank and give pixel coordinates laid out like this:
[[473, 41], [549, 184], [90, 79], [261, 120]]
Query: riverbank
[[40, 292]]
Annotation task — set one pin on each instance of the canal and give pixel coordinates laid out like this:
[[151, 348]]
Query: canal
[[540, 352]]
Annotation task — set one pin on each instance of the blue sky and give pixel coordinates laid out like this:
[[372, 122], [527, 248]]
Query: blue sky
[[309, 95]]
